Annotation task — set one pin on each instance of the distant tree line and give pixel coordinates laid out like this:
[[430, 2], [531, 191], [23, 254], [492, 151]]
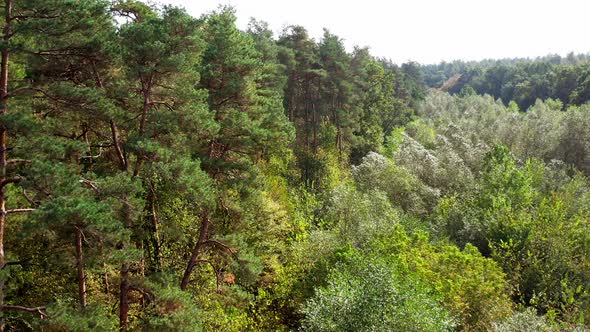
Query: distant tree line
[[519, 80]]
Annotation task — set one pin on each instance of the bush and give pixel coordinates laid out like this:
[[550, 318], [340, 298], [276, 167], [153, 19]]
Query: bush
[[372, 295], [524, 321]]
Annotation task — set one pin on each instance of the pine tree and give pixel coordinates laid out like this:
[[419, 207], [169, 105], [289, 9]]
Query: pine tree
[[33, 32], [251, 123]]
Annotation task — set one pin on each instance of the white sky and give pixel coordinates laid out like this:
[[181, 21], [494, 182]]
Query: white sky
[[428, 31]]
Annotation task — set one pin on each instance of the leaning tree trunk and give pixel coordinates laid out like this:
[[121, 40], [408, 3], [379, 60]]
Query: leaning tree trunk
[[203, 235]]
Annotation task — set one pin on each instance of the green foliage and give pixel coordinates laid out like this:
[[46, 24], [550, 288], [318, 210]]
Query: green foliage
[[467, 90], [359, 217], [169, 308], [522, 81], [401, 187], [370, 295], [526, 320], [65, 317], [287, 182], [472, 288], [527, 231]]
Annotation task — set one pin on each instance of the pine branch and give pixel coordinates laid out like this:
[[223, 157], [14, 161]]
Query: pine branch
[[168, 106], [16, 161], [217, 276], [21, 262], [90, 185], [34, 310], [25, 17], [29, 199], [7, 181], [20, 210], [94, 157], [143, 292], [223, 246]]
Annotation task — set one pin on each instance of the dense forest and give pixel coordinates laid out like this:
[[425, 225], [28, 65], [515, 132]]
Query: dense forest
[[522, 81], [163, 172]]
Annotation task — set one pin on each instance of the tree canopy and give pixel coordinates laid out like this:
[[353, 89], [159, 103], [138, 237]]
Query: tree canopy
[[163, 172]]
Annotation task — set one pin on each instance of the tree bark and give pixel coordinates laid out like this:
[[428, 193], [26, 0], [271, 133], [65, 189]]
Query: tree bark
[[7, 32], [155, 223], [80, 264], [203, 235], [315, 120], [306, 106], [124, 298], [147, 91], [117, 144], [124, 285]]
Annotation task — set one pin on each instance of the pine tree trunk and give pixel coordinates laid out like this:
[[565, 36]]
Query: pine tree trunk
[[203, 235], [155, 225], [124, 299], [316, 118], [315, 129], [147, 90], [3, 110], [306, 108], [117, 145], [105, 272], [124, 282], [80, 264]]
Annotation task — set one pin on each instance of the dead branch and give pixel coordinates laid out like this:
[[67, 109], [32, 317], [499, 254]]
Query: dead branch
[[162, 103], [7, 181], [229, 249], [19, 210], [16, 161], [33, 310], [90, 185]]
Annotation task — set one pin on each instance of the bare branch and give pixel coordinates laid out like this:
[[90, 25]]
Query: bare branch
[[143, 292], [90, 185], [21, 262], [16, 91], [162, 103], [19, 210], [223, 246], [7, 181], [33, 310], [28, 198], [94, 157], [16, 161], [25, 17]]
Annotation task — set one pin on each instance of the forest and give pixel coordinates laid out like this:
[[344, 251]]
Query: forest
[[165, 172]]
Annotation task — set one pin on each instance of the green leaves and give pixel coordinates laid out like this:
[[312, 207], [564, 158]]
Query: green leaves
[[374, 295]]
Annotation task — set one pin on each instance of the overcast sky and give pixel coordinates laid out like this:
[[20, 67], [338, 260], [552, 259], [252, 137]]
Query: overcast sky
[[428, 31]]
